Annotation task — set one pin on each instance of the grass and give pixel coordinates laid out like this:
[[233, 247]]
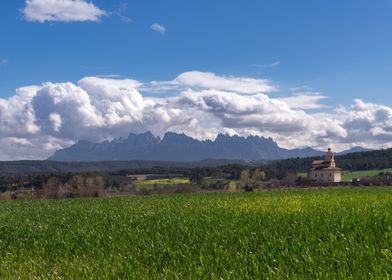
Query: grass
[[303, 174], [148, 184], [296, 234], [349, 175]]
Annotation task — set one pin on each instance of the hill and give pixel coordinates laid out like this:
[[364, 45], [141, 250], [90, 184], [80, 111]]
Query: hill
[[354, 150]]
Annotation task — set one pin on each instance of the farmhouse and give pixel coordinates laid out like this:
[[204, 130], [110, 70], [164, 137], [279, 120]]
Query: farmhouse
[[325, 171]]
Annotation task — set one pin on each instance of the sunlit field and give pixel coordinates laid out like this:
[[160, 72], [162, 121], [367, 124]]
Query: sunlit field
[[160, 183], [298, 234], [348, 176]]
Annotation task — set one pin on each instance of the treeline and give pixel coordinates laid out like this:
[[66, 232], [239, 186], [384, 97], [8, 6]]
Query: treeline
[[20, 168], [89, 184], [52, 186], [373, 160], [195, 174]]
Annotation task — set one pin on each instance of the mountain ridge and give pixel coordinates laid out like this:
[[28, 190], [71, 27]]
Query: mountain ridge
[[179, 147]]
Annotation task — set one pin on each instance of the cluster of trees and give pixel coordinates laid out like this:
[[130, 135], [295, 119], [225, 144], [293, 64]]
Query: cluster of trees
[[52, 186], [251, 179]]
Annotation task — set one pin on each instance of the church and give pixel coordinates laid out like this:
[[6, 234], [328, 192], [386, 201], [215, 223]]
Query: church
[[325, 171]]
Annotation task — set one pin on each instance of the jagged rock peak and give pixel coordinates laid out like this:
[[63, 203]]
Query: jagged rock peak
[[178, 147], [146, 134]]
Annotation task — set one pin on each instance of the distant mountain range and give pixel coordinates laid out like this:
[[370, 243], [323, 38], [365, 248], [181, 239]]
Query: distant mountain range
[[180, 147]]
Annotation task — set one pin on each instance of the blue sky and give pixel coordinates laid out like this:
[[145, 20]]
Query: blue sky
[[323, 59], [341, 48]]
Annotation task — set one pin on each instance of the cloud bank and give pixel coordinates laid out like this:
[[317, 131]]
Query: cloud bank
[[37, 120], [61, 11], [206, 80]]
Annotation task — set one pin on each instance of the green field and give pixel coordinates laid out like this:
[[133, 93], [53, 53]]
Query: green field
[[296, 234], [160, 183], [349, 175], [228, 184]]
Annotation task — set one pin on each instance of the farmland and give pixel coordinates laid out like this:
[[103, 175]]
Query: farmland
[[349, 175], [160, 183], [296, 234]]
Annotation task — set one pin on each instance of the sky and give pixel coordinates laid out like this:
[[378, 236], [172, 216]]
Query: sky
[[304, 72]]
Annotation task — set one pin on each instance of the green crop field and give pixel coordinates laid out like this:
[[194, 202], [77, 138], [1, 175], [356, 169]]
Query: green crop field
[[146, 184], [295, 234]]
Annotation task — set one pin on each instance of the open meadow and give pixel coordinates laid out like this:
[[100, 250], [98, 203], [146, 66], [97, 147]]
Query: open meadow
[[298, 234]]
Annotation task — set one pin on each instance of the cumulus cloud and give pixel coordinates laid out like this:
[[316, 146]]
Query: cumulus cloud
[[55, 115], [261, 115], [61, 11], [158, 28], [37, 120], [367, 124]]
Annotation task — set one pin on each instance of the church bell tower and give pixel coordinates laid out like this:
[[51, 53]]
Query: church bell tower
[[329, 156]]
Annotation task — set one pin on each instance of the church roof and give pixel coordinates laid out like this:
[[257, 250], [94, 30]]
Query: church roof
[[327, 164], [323, 165]]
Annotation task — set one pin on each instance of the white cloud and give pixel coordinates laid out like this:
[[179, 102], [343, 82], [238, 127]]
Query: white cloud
[[20, 141], [123, 7], [207, 80], [262, 115], [38, 120], [61, 11], [368, 124], [267, 65], [304, 100], [158, 28], [38, 147], [125, 19]]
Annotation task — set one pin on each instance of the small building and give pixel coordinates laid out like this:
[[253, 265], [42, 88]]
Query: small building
[[325, 171]]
